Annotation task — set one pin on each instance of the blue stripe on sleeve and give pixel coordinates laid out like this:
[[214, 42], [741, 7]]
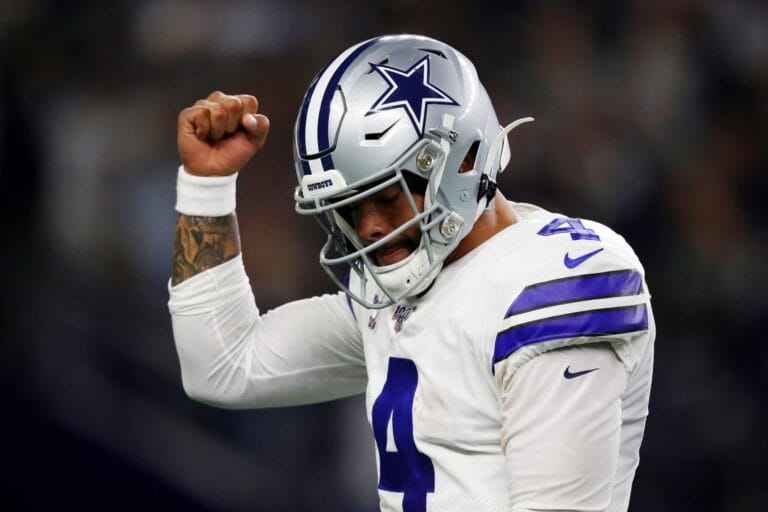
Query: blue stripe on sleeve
[[573, 289], [590, 323]]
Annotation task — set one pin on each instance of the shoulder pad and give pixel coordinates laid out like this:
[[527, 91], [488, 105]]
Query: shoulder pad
[[575, 290]]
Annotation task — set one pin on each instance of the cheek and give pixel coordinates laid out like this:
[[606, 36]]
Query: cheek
[[414, 233], [405, 212], [419, 200]]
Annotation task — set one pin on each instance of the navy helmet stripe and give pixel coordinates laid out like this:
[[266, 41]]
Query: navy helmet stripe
[[573, 289], [324, 107], [327, 162], [301, 132], [598, 322], [330, 89]]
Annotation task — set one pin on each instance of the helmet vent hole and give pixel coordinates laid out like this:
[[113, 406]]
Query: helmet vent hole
[[434, 52], [379, 135], [469, 159], [373, 66]]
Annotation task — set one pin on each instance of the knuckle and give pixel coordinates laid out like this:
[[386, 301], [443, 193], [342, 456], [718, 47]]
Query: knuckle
[[192, 114], [249, 102], [217, 111], [232, 103]]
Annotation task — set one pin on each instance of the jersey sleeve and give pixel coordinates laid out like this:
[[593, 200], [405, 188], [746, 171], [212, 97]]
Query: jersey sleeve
[[232, 356], [605, 299], [574, 338], [562, 437]]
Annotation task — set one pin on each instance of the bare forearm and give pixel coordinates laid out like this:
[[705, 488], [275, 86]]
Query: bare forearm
[[202, 243]]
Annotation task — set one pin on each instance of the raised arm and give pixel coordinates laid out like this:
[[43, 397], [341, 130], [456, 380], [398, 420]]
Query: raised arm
[[230, 355], [216, 137]]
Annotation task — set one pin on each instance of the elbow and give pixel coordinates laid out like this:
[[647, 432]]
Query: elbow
[[208, 394]]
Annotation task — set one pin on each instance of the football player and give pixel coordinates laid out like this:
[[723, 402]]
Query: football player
[[505, 351]]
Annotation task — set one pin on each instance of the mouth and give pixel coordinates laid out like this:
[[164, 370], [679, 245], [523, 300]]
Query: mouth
[[392, 253]]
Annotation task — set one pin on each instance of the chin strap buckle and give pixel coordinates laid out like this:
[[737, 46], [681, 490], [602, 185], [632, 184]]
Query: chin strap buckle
[[487, 189]]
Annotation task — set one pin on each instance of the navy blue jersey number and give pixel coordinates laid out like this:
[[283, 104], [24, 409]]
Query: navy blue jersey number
[[406, 470], [573, 227]]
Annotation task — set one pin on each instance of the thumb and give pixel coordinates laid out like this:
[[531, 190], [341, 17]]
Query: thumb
[[256, 128]]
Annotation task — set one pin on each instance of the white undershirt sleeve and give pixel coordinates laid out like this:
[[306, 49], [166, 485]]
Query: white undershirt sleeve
[[231, 356], [562, 436]]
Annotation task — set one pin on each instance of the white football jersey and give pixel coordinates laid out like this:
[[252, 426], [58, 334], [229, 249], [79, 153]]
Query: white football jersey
[[435, 365], [518, 381]]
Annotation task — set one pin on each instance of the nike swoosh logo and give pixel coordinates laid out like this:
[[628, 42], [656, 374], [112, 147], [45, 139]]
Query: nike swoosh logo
[[568, 374], [575, 262]]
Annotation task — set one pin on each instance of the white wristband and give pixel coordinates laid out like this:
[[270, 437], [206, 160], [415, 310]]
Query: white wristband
[[205, 196]]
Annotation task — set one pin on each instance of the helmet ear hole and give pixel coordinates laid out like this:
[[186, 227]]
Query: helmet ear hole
[[469, 159]]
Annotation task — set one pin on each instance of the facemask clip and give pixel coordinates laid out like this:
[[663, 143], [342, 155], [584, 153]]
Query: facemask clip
[[487, 189]]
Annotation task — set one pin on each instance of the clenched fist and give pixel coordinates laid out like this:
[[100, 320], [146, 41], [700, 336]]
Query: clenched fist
[[218, 135]]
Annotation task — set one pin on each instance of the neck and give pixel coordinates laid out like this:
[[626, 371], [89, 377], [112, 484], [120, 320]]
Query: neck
[[493, 220]]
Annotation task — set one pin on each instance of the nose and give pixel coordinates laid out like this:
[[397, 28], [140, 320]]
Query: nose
[[371, 224]]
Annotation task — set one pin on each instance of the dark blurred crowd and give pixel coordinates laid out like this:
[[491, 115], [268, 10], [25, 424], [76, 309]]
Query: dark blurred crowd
[[651, 117]]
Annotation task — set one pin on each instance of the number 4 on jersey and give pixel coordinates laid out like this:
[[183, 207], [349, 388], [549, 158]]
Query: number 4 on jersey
[[573, 227], [406, 470]]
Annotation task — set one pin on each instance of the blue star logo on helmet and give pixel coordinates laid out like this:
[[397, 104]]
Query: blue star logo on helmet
[[410, 90]]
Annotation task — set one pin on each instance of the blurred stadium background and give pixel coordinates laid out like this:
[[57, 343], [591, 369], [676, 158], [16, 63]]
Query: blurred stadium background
[[651, 117]]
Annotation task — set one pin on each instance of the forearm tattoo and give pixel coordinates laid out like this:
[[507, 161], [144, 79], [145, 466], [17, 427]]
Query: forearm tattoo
[[202, 243]]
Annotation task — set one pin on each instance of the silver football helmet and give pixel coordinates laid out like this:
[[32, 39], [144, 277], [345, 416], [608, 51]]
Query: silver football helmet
[[383, 109]]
